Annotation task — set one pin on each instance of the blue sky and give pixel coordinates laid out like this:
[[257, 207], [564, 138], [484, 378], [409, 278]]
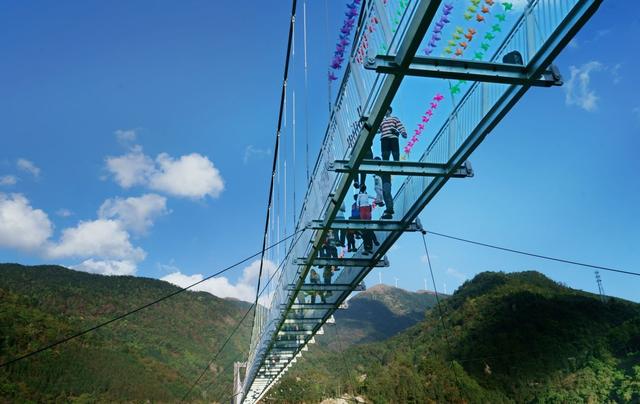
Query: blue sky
[[137, 139]]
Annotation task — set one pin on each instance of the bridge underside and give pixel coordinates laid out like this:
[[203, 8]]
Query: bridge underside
[[301, 306]]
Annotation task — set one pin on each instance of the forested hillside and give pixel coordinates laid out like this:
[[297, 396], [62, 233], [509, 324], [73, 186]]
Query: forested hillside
[[375, 315], [152, 355], [155, 354], [503, 338]]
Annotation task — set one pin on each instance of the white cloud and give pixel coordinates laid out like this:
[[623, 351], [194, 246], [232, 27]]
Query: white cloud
[[107, 267], [457, 274], [64, 212], [615, 73], [573, 44], [21, 226], [28, 166], [244, 289], [126, 137], [135, 213], [104, 244], [98, 238], [133, 168], [251, 151], [191, 176], [8, 180], [577, 89]]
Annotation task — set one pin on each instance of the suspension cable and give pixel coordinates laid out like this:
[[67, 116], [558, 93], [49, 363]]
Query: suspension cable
[[120, 317], [278, 269], [277, 146], [306, 86], [445, 330], [530, 254], [237, 326]]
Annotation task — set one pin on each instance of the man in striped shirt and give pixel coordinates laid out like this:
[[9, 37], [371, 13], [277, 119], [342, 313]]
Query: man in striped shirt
[[390, 129]]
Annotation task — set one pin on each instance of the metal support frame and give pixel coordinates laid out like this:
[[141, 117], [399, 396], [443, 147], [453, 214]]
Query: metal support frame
[[423, 14], [470, 70], [295, 332], [321, 287], [303, 320], [345, 262], [356, 224], [312, 306], [413, 168]]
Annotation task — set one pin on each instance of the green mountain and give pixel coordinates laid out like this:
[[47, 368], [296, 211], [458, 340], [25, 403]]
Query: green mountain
[[503, 338], [375, 315], [155, 354]]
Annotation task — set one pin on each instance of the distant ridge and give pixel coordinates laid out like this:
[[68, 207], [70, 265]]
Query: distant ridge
[[507, 338]]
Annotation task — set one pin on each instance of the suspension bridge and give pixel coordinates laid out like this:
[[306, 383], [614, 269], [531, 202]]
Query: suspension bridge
[[509, 56], [513, 47]]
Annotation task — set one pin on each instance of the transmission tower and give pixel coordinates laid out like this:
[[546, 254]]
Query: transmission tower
[[600, 287]]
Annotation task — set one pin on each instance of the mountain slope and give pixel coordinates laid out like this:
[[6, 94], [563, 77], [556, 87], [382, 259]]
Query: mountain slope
[[153, 355], [377, 314], [508, 338]]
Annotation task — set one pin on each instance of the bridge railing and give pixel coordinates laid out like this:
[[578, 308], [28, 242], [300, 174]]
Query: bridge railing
[[355, 97]]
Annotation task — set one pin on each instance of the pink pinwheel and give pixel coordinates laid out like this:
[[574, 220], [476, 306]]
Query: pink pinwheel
[[438, 97], [421, 126], [430, 113], [434, 105], [332, 77]]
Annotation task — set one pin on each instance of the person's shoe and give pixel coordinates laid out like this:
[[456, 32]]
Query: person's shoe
[[376, 243], [356, 184], [386, 215], [381, 204]]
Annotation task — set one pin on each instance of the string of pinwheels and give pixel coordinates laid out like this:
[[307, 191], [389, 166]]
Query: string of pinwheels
[[435, 101], [344, 39], [488, 37], [458, 34]]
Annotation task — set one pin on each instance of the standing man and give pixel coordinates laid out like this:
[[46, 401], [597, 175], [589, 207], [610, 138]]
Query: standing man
[[390, 129]]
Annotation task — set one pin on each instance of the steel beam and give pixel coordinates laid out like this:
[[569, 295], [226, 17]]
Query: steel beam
[[315, 287], [408, 168], [295, 332], [312, 306], [303, 320], [470, 70], [288, 344], [345, 262], [376, 225]]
